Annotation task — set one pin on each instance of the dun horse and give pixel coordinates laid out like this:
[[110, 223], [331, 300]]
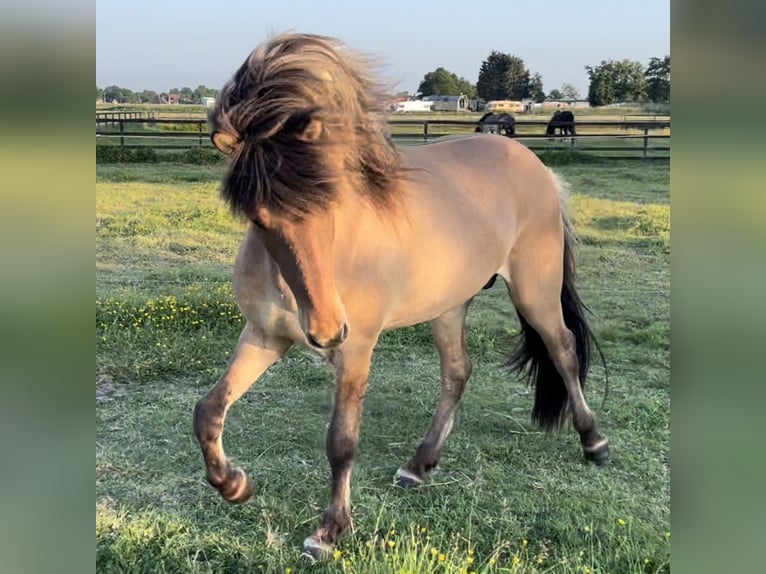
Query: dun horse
[[348, 237]]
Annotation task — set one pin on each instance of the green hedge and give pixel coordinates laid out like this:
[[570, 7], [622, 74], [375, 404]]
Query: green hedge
[[116, 154], [195, 156]]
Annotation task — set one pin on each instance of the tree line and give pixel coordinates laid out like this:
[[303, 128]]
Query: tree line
[[501, 77], [127, 96], [505, 77]]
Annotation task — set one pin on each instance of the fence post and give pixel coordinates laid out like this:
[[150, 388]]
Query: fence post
[[200, 133], [122, 133], [425, 130], [646, 140]]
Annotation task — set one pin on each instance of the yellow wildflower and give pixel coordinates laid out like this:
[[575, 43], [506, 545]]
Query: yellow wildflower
[[621, 522], [524, 543], [434, 551], [469, 560], [587, 528], [516, 560], [391, 543], [492, 561], [422, 529], [336, 554], [442, 557]]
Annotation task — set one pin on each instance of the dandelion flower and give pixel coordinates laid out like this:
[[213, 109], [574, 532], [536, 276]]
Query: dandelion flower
[[336, 554], [621, 522], [422, 529], [516, 560], [469, 560], [442, 557], [391, 543]]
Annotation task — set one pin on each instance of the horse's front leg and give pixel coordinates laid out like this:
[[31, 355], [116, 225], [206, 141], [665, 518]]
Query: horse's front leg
[[352, 364], [252, 356]]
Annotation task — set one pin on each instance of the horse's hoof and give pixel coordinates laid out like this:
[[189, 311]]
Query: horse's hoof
[[238, 488], [406, 479], [598, 455], [315, 550]]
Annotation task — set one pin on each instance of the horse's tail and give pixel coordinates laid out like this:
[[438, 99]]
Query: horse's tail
[[531, 358]]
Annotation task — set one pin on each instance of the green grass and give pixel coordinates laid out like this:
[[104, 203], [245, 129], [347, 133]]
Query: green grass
[[166, 323]]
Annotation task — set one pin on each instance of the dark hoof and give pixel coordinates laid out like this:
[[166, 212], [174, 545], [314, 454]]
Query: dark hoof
[[238, 487], [599, 455], [316, 550], [406, 479]]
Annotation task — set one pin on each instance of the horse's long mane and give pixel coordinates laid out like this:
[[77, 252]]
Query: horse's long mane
[[307, 116]]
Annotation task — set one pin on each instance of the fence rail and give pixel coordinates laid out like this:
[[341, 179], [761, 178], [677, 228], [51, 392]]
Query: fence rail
[[148, 131]]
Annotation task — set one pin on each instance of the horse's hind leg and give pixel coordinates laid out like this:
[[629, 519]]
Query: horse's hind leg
[[449, 336], [252, 357], [555, 331]]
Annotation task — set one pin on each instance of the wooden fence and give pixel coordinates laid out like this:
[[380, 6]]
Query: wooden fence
[[639, 138]]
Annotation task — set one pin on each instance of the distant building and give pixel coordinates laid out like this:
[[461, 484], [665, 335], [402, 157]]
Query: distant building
[[509, 106], [413, 106], [209, 102], [564, 103], [448, 103], [174, 98]]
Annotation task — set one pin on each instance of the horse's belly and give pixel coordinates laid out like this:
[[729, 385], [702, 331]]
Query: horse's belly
[[443, 282]]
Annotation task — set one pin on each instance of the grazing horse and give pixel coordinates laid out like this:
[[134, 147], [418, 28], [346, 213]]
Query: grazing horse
[[347, 236], [491, 123], [563, 120]]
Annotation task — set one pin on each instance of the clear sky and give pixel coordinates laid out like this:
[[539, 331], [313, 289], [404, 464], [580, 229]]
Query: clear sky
[[158, 46]]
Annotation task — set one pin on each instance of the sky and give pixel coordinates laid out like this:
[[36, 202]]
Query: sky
[[150, 45]]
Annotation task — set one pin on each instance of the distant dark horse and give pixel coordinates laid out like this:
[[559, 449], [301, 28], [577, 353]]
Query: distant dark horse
[[491, 123], [563, 120]]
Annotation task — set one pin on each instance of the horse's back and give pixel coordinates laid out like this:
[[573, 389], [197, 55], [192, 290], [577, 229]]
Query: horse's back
[[492, 172], [465, 200]]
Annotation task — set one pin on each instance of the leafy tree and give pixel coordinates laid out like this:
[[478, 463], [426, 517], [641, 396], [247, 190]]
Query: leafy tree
[[148, 97], [467, 88], [555, 94], [503, 77], [658, 79], [445, 83], [570, 92], [119, 95], [186, 95], [616, 81], [536, 92], [203, 92]]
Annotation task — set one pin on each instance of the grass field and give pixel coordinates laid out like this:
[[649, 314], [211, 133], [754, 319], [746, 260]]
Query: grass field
[[505, 498]]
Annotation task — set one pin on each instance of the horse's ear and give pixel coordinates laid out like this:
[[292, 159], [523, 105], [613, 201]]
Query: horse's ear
[[226, 143]]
